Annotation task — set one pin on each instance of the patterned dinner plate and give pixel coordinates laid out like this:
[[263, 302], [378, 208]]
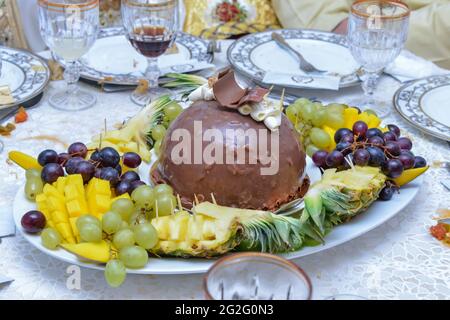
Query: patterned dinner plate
[[256, 54], [113, 60], [26, 74], [425, 104]]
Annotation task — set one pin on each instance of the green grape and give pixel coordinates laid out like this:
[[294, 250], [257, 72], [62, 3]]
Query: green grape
[[311, 149], [146, 235], [124, 207], [307, 111], [33, 187], [115, 273], [124, 225], [320, 138], [293, 113], [123, 238], [172, 111], [166, 204], [134, 218], [33, 173], [143, 198], [87, 219], [157, 147], [90, 233], [111, 222], [336, 107], [158, 132], [50, 238], [162, 189], [319, 117], [133, 257], [302, 101], [370, 111], [335, 120]]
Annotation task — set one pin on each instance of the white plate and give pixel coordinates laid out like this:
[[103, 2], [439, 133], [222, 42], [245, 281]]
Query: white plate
[[26, 74], [425, 104], [256, 54], [112, 56]]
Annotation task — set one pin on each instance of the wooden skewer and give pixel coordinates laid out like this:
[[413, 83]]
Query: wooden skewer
[[196, 199], [282, 99], [156, 209], [180, 206], [213, 198]]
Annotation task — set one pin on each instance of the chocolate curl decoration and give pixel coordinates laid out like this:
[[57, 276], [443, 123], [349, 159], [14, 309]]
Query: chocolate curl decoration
[[229, 94]]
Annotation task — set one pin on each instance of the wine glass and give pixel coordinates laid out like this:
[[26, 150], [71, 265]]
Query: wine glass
[[150, 27], [377, 32], [70, 28]]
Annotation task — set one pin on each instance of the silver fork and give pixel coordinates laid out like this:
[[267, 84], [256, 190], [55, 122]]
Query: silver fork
[[304, 64]]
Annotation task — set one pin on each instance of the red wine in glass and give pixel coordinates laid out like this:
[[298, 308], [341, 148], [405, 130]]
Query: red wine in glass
[[150, 41]]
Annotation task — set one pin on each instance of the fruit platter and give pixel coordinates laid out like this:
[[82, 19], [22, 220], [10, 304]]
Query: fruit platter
[[167, 191]]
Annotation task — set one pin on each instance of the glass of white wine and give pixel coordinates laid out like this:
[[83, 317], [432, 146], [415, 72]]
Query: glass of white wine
[[377, 32], [70, 28]]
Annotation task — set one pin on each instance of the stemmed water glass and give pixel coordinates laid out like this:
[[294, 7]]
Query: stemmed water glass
[[377, 32], [69, 28], [150, 27]]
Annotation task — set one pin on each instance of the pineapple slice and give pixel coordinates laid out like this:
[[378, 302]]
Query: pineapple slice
[[178, 226], [195, 228]]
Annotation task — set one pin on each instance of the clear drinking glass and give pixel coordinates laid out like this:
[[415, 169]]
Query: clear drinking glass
[[256, 276], [377, 32], [69, 28], [151, 27]]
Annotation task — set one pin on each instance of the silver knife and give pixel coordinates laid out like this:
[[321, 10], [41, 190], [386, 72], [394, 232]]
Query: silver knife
[[5, 279], [446, 183]]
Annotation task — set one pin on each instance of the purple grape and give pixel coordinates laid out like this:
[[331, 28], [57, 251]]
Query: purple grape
[[407, 152], [389, 136], [348, 138], [319, 158], [342, 133], [407, 160], [376, 141], [420, 162], [404, 143], [361, 157], [63, 158], [377, 157], [111, 175], [109, 157], [95, 156], [47, 156], [136, 184], [51, 172], [374, 132], [394, 129], [132, 160], [119, 169], [392, 149], [72, 163], [33, 221], [123, 187], [334, 159], [344, 147], [86, 169], [360, 128], [131, 176], [78, 149], [98, 173], [386, 194], [393, 168]]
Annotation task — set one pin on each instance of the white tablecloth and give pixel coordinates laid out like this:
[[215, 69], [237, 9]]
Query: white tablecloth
[[398, 260]]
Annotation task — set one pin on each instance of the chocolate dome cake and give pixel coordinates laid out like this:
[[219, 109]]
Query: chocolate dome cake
[[235, 185]]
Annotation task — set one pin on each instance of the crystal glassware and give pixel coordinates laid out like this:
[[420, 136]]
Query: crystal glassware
[[377, 32], [70, 28], [150, 27], [256, 276]]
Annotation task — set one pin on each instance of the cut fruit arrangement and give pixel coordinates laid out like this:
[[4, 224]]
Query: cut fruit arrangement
[[91, 201]]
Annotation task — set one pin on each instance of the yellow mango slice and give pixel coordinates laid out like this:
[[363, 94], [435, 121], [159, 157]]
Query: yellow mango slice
[[66, 231], [409, 175], [60, 184], [364, 116], [75, 209], [56, 204], [350, 117], [374, 121], [51, 191], [73, 225], [331, 133], [24, 160], [77, 181], [60, 217], [99, 204], [98, 252]]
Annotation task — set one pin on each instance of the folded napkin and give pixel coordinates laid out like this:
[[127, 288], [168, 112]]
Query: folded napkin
[[409, 67], [299, 80], [7, 227]]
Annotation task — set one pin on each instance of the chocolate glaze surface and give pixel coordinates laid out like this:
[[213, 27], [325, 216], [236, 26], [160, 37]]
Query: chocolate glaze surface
[[234, 185]]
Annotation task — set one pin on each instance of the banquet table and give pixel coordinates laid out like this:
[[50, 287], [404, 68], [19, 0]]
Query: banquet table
[[397, 260]]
